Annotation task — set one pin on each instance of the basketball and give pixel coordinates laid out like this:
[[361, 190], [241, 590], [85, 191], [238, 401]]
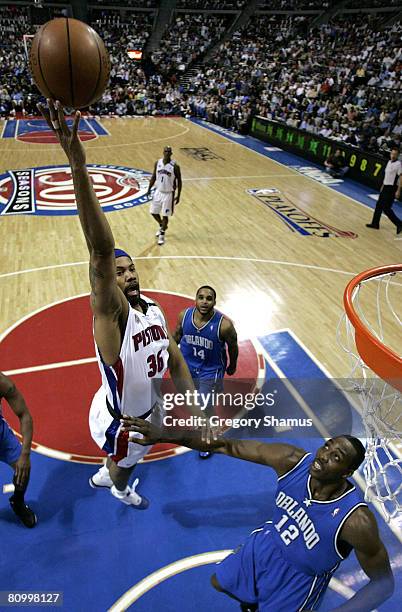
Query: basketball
[[69, 62]]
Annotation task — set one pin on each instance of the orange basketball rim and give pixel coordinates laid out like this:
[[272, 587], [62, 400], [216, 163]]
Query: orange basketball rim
[[385, 362]]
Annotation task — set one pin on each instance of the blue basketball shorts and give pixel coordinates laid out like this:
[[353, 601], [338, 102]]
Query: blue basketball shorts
[[207, 381], [257, 572], [10, 447]]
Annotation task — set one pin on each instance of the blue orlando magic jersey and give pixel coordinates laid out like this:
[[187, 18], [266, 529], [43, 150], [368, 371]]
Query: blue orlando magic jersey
[[202, 349], [307, 530]]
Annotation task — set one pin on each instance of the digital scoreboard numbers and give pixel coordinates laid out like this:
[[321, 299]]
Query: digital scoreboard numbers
[[363, 167]]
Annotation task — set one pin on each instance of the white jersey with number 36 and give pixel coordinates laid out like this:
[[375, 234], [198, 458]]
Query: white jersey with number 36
[[132, 384]]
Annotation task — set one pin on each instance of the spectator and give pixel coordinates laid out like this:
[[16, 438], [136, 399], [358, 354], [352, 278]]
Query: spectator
[[335, 164]]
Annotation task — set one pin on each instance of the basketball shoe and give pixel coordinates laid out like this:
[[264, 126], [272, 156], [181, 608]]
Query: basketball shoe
[[101, 479], [24, 513], [246, 607], [130, 497], [161, 239], [158, 232], [205, 454]]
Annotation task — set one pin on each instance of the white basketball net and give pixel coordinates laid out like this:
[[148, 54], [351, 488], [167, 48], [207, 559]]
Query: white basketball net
[[376, 301]]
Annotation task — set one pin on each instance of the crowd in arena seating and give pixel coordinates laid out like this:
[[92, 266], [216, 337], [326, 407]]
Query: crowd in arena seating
[[341, 80], [224, 5], [18, 94], [373, 3], [333, 81], [129, 3], [15, 82], [303, 5], [187, 39], [293, 5], [120, 33]]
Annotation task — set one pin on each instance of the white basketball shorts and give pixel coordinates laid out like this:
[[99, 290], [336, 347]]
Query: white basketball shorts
[[106, 433], [162, 204]]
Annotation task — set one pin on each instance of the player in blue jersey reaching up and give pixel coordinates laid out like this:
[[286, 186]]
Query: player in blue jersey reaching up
[[203, 334], [286, 564]]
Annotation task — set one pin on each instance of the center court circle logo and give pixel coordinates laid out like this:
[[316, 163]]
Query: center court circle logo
[[49, 190]]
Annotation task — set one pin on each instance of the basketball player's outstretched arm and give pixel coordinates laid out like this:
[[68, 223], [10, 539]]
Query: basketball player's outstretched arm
[[361, 532], [9, 391], [280, 457], [108, 303]]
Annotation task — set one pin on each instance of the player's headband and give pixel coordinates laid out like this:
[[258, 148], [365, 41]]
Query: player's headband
[[121, 253]]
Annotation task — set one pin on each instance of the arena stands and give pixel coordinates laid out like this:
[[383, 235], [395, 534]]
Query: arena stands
[[127, 3], [211, 5], [187, 39], [316, 5], [362, 4], [121, 32], [15, 83], [293, 5], [327, 81], [341, 79]]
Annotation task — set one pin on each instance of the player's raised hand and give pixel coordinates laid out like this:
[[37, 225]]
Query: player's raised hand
[[151, 434], [69, 139]]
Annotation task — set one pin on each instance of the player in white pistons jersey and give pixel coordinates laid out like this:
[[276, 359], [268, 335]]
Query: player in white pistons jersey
[[130, 334], [144, 357], [166, 177], [131, 383]]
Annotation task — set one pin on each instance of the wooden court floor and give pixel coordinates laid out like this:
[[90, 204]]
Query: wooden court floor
[[266, 276]]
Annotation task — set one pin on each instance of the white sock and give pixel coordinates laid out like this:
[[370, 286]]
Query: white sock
[[104, 471], [121, 494]]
